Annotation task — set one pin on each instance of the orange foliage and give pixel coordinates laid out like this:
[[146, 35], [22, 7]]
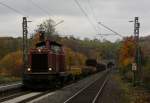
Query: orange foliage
[[127, 51], [36, 38]]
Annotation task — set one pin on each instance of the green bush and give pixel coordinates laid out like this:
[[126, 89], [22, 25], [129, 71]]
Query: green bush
[[4, 79]]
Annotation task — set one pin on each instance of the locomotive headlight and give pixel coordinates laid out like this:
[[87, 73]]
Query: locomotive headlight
[[39, 50], [50, 69], [29, 69]]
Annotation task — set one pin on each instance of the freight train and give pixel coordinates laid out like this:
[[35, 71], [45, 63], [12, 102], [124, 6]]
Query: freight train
[[46, 65], [92, 66]]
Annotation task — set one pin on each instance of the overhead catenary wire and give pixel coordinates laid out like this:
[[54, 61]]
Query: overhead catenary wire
[[18, 11], [39, 7], [11, 8], [43, 10], [93, 15], [111, 30], [85, 14], [92, 10], [52, 12], [115, 33], [92, 18]]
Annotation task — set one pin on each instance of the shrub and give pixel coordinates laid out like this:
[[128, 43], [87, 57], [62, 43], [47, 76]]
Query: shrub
[[146, 75]]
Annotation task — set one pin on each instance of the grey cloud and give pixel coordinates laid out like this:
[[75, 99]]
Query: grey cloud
[[114, 13], [51, 7]]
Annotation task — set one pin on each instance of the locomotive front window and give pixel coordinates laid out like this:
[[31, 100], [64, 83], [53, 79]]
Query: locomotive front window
[[41, 45], [55, 48], [39, 63]]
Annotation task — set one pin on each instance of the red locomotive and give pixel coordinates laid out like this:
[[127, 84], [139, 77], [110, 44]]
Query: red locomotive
[[46, 65]]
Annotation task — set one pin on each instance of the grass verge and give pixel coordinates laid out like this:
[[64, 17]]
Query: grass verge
[[132, 94], [8, 80]]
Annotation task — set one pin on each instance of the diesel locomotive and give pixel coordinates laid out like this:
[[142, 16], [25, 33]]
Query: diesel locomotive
[[46, 65]]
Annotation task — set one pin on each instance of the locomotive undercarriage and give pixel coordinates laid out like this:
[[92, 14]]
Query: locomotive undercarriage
[[44, 80]]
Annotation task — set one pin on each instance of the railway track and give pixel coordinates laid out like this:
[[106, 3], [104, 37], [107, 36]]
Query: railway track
[[91, 93], [16, 94], [9, 91], [9, 87], [24, 98]]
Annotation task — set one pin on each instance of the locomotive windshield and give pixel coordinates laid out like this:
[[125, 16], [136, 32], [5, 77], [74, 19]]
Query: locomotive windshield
[[55, 48], [41, 45]]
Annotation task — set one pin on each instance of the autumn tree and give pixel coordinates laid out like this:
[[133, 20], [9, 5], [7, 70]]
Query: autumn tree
[[11, 64], [9, 44], [69, 57], [127, 52], [80, 58], [74, 58]]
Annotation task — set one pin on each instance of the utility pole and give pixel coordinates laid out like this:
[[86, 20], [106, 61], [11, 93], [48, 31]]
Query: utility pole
[[136, 29], [137, 59], [137, 53], [25, 42]]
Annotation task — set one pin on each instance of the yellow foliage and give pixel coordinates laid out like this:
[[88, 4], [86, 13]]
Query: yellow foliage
[[80, 58], [69, 56], [74, 58], [11, 64], [127, 61]]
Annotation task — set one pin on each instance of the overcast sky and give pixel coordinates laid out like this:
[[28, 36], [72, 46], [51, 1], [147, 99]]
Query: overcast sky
[[113, 13]]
